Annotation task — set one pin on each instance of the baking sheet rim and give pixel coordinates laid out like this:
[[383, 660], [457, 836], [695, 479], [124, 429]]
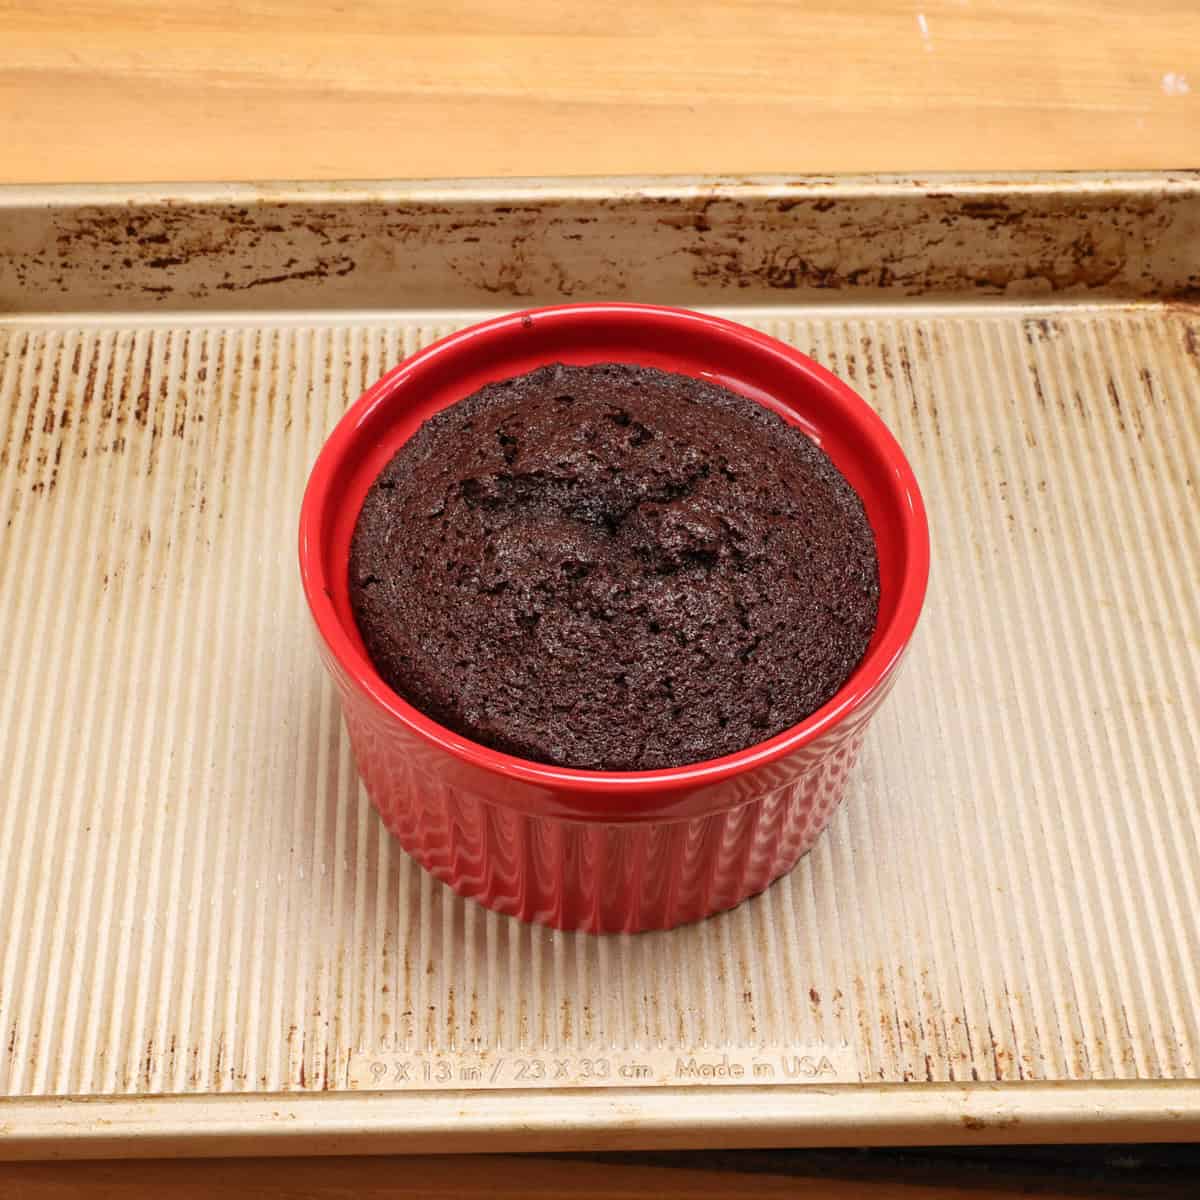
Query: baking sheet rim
[[628, 1119], [351, 193]]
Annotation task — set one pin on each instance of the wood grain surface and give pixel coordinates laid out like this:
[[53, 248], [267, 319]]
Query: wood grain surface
[[126, 90], [1131, 1173]]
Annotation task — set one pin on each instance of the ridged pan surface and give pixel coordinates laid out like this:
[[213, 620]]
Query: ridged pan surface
[[198, 898]]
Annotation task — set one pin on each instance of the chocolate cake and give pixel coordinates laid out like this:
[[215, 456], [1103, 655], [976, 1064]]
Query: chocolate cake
[[613, 567]]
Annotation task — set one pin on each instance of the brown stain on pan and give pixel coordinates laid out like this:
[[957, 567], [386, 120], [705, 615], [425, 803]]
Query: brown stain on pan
[[985, 1124], [148, 1063], [159, 251], [1041, 329], [1122, 411], [904, 246], [322, 269], [745, 237]]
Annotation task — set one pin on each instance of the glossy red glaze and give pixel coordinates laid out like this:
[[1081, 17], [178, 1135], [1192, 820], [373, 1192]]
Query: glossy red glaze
[[597, 850]]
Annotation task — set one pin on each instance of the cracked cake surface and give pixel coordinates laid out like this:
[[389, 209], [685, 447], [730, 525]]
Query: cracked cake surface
[[613, 567]]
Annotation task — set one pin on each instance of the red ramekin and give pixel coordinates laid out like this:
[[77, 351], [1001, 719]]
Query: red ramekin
[[598, 850]]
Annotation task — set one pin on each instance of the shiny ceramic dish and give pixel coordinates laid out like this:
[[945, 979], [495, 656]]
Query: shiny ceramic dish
[[607, 851]]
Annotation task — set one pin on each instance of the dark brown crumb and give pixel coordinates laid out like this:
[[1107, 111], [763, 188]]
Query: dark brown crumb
[[615, 568]]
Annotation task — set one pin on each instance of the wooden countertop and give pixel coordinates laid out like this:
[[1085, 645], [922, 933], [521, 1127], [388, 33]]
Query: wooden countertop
[[1152, 1172], [125, 90]]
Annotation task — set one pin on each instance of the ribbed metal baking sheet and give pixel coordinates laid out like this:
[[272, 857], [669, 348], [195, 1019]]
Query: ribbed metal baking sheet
[[199, 900]]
